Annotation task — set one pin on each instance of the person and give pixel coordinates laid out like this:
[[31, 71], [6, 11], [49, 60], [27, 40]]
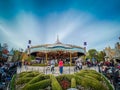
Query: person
[[52, 64], [116, 76], [78, 64], [60, 64]]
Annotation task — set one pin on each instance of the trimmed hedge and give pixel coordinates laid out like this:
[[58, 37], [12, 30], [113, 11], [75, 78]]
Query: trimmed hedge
[[90, 82], [73, 83], [12, 83], [108, 83], [55, 84], [39, 78], [39, 85], [23, 80], [33, 74], [36, 79], [85, 79]]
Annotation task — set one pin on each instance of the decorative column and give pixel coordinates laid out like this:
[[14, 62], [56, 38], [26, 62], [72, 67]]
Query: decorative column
[[70, 62], [46, 57], [70, 59]]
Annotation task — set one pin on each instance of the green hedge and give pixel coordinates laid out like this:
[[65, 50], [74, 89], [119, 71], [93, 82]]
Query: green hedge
[[88, 79], [91, 82], [108, 83], [73, 83], [39, 78], [12, 83], [55, 84], [23, 80], [39, 85], [33, 74]]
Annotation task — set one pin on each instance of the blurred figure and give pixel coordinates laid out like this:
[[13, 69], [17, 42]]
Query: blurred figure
[[52, 64], [60, 64]]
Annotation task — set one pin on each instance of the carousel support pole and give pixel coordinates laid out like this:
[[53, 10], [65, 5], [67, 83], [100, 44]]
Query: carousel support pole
[[70, 61], [46, 57]]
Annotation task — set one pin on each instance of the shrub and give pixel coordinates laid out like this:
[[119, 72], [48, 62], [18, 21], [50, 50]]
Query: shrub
[[55, 84], [107, 82], [39, 85], [22, 74], [78, 79], [36, 79], [39, 78], [12, 83], [23, 80], [85, 79], [64, 81], [73, 83], [96, 76], [32, 74]]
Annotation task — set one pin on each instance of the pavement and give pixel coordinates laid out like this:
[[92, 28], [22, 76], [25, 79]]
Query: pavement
[[46, 70]]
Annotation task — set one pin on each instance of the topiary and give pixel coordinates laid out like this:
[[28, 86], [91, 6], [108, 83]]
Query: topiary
[[39, 85], [73, 83], [12, 83], [54, 83], [23, 80], [32, 74]]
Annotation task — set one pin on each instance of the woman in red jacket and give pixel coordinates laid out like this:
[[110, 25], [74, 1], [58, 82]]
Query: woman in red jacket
[[60, 64]]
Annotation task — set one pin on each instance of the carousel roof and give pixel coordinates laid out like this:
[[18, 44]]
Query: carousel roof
[[58, 46]]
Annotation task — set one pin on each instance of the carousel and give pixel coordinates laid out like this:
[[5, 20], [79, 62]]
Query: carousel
[[56, 51]]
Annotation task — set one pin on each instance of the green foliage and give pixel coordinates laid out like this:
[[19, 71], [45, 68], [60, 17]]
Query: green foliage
[[73, 83], [36, 79], [23, 80], [108, 83], [98, 77], [21, 74], [39, 85], [40, 77], [33, 74], [88, 79], [12, 83], [93, 53], [78, 79], [101, 56], [64, 76], [55, 84]]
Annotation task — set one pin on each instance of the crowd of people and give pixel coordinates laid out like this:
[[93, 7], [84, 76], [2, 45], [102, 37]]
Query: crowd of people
[[108, 68], [111, 70], [7, 70]]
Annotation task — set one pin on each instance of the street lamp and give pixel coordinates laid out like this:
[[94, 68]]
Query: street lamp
[[85, 44]]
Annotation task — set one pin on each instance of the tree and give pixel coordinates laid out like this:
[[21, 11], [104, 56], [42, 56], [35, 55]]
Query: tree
[[93, 53], [101, 56]]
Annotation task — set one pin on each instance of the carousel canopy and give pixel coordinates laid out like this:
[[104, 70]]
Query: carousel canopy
[[58, 46]]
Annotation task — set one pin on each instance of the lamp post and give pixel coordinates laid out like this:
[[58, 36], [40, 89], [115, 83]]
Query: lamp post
[[29, 47], [85, 44]]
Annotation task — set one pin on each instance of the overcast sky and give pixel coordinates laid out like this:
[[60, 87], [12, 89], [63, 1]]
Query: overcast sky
[[96, 22]]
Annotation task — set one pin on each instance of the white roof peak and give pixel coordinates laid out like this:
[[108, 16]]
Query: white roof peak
[[58, 41]]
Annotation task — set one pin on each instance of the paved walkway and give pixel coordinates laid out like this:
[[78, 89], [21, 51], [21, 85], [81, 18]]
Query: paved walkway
[[46, 70]]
